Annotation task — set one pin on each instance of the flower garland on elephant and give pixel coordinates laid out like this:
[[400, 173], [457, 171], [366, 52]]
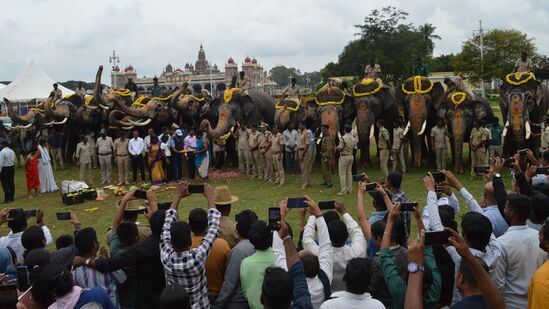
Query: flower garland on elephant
[[457, 98], [228, 94], [367, 83], [281, 105], [518, 78], [418, 85]]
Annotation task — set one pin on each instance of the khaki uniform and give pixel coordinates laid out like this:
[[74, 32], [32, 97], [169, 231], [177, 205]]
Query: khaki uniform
[[397, 150], [253, 143], [83, 154], [327, 147], [383, 145], [477, 142], [291, 92], [104, 150], [57, 95], [277, 147], [244, 155], [523, 66], [545, 139], [266, 154], [438, 135], [303, 140], [243, 84], [143, 231], [122, 156], [346, 145], [91, 141], [227, 231]]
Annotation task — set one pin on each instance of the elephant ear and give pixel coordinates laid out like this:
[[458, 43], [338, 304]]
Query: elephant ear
[[246, 106], [388, 98], [437, 95], [503, 100]]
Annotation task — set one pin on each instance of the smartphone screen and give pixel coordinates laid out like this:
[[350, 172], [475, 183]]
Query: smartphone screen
[[63, 215], [196, 188], [324, 205], [8, 296], [357, 178], [274, 218], [164, 205], [439, 177], [22, 278], [408, 206], [437, 238], [296, 202], [481, 170], [30, 213], [371, 186], [140, 194]]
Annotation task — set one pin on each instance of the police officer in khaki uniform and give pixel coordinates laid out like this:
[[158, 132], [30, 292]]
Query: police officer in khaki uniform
[[327, 153], [122, 156], [253, 144], [303, 139], [244, 155], [83, 159], [397, 151], [438, 143], [266, 153], [384, 147], [104, 145], [477, 142], [292, 91], [277, 147], [346, 145]]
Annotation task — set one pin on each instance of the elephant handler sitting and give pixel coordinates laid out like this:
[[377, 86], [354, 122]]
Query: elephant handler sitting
[[458, 84], [373, 70], [292, 91]]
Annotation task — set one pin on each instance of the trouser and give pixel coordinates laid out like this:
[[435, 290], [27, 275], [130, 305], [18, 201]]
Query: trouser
[[383, 161], [306, 166], [268, 165], [105, 166], [168, 168], [191, 166], [278, 168], [326, 167], [478, 157], [137, 163], [354, 167], [345, 174], [176, 165], [8, 185], [291, 164], [495, 151], [123, 163], [440, 154], [257, 166], [85, 168], [93, 159], [56, 157], [242, 162], [220, 156], [398, 156]]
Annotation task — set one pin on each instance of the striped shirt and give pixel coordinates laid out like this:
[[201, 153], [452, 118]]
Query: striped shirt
[[86, 277]]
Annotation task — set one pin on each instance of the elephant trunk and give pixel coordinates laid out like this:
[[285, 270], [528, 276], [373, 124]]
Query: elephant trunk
[[459, 131], [517, 119], [128, 110], [53, 113], [282, 118], [418, 121], [13, 116], [223, 124], [329, 116], [97, 95]]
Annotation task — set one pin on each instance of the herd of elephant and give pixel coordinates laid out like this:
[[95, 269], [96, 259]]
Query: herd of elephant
[[417, 102]]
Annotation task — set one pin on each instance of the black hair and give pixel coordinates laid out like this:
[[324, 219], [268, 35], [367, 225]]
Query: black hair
[[157, 221], [18, 220], [64, 241], [338, 233], [127, 233], [330, 216], [546, 155], [225, 210], [311, 265], [36, 261], [544, 229], [293, 80], [261, 236], [154, 139], [277, 290], [395, 179], [174, 296], [398, 234], [520, 204], [447, 216], [477, 121], [477, 229], [198, 220], [381, 122], [378, 229], [33, 238], [467, 273], [85, 239], [357, 275], [348, 129], [58, 279], [244, 221], [378, 200], [495, 119], [540, 208], [180, 232], [130, 215]]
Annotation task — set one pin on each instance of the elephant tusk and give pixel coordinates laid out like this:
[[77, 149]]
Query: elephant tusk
[[104, 107], [23, 127], [92, 107], [505, 129], [174, 125], [528, 130], [371, 131], [51, 123], [407, 128], [423, 127], [319, 139], [141, 124], [60, 122]]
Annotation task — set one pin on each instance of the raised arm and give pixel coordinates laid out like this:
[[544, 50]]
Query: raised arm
[[213, 225], [470, 201], [435, 224], [387, 234], [358, 243], [325, 253], [414, 288], [119, 215], [388, 203], [362, 217]]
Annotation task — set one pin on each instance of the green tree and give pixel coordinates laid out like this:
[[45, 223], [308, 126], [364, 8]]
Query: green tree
[[441, 63], [502, 48], [281, 75]]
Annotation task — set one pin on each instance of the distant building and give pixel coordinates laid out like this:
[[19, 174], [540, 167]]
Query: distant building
[[202, 73]]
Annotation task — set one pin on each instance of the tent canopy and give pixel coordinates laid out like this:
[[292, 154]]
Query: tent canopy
[[2, 86], [32, 83]]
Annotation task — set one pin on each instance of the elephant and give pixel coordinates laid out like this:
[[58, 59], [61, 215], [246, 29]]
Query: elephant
[[288, 111], [373, 102], [419, 100], [334, 108], [254, 107], [144, 111], [192, 108], [107, 105], [459, 112], [523, 102], [35, 117]]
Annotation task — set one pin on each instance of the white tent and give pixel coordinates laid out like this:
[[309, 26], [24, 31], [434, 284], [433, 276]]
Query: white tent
[[32, 83], [2, 86]]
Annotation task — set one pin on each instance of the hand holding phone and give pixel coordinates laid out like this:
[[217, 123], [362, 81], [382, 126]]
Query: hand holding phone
[[297, 202], [325, 205], [63, 215], [196, 188], [481, 169], [370, 187], [141, 194], [408, 206], [359, 177], [274, 218], [439, 177], [30, 213], [437, 238]]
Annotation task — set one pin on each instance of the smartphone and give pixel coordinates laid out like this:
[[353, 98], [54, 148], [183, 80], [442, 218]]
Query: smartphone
[[274, 218], [164, 205], [437, 238], [63, 215], [30, 213], [371, 186], [196, 188], [523, 152], [22, 278], [140, 194], [481, 169], [508, 162], [357, 178], [325, 205], [408, 206], [8, 296], [439, 177], [296, 202], [541, 171]]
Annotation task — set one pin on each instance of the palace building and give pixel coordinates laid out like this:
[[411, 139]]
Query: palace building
[[201, 73]]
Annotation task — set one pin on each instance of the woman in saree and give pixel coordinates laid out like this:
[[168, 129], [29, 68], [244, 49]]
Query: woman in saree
[[31, 172], [45, 172], [202, 156], [154, 159]]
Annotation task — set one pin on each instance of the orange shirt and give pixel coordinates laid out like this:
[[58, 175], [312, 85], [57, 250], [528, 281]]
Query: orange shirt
[[216, 264]]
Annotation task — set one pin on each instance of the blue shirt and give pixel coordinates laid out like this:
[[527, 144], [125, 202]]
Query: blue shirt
[[499, 226], [312, 141], [496, 132], [377, 216], [302, 298], [94, 295]]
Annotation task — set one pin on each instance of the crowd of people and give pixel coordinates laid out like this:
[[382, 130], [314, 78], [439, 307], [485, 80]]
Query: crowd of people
[[389, 255]]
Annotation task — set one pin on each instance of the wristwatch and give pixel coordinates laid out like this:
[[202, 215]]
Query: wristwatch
[[497, 175], [415, 267]]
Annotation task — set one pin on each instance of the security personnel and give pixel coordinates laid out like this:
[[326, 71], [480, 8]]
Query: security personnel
[[277, 147], [384, 147], [478, 139], [327, 152], [346, 145], [253, 143], [303, 140], [266, 153]]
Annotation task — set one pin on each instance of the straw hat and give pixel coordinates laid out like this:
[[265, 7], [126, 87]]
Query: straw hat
[[132, 205], [222, 196]]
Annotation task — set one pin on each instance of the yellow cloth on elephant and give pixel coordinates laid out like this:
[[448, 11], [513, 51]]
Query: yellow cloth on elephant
[[154, 158], [228, 94]]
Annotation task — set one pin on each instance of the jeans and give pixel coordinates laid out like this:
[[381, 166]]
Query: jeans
[[291, 163], [7, 179], [176, 165], [137, 163]]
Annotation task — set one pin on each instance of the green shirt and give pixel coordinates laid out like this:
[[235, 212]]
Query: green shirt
[[127, 292], [252, 270], [397, 285], [420, 70]]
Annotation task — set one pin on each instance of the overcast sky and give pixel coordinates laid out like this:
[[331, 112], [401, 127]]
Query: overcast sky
[[69, 39]]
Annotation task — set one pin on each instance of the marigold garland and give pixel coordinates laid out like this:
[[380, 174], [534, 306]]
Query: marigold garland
[[36, 109], [417, 85], [88, 100], [139, 101], [367, 82], [124, 93], [454, 97], [330, 102], [228, 94], [194, 97], [518, 77], [293, 109]]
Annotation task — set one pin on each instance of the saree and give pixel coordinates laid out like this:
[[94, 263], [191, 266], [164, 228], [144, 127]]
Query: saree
[[156, 168], [202, 160], [45, 172], [31, 172]]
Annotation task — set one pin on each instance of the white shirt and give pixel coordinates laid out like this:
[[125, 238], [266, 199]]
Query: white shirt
[[325, 257], [348, 300], [290, 139], [7, 157], [136, 146], [342, 255], [165, 149], [189, 142], [13, 240], [521, 257], [147, 141]]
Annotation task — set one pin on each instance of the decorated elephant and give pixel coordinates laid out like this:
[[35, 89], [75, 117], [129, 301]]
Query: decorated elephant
[[35, 117], [145, 111], [105, 101], [288, 110], [373, 102], [419, 100], [254, 107], [334, 107], [192, 108], [523, 102], [460, 112]]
